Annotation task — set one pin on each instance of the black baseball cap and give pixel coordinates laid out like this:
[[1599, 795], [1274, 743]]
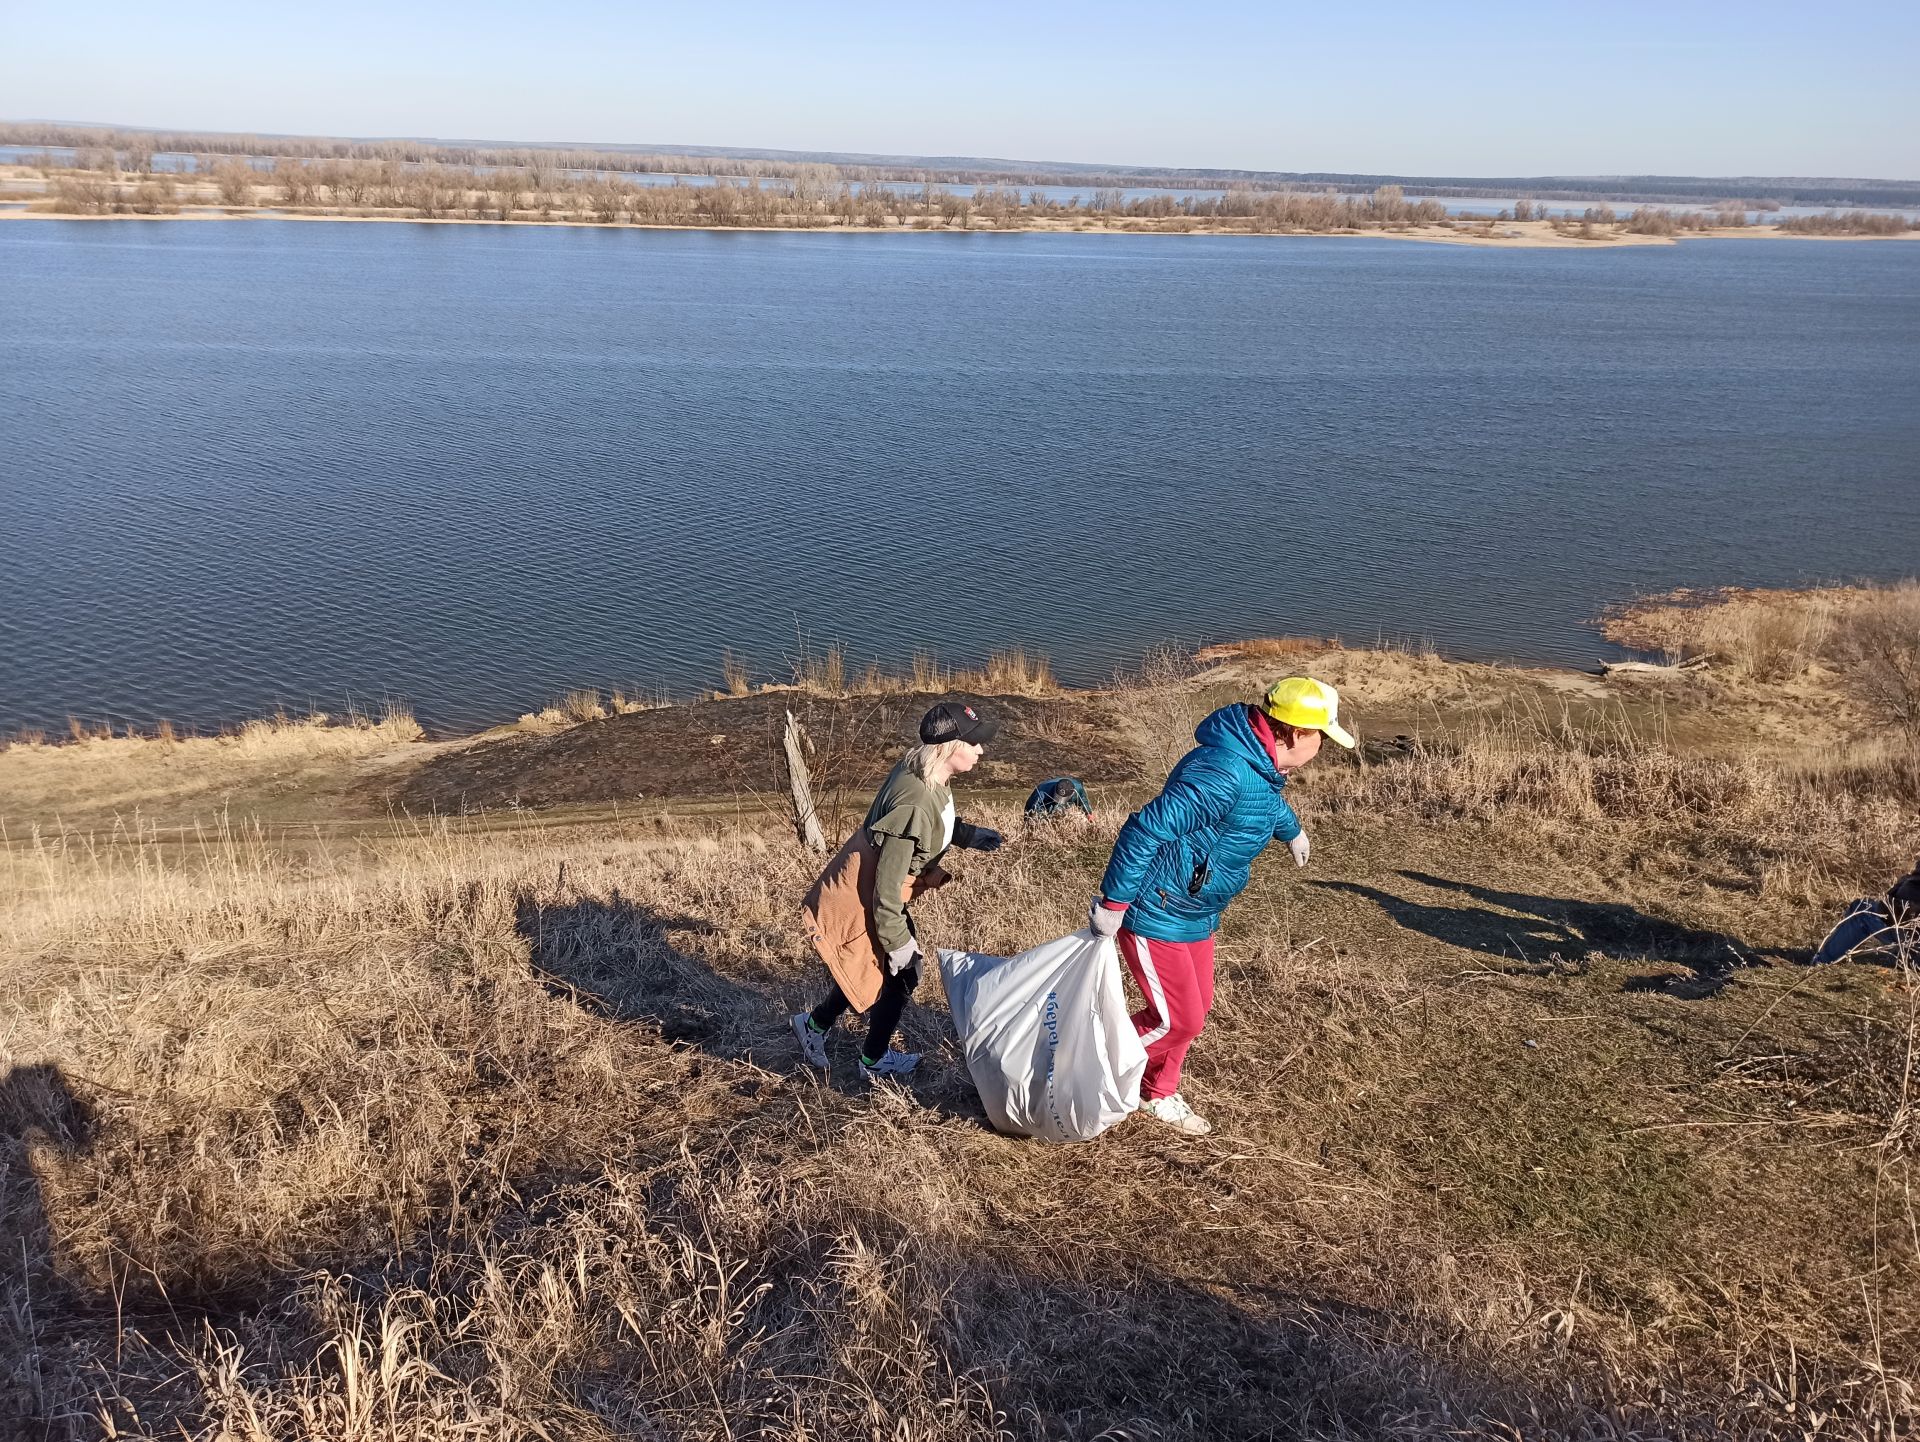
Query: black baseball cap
[[957, 721]]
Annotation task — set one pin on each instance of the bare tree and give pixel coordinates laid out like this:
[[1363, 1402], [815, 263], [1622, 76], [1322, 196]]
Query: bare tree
[[509, 189], [606, 199], [296, 182], [83, 194], [1878, 647], [351, 183], [433, 190], [234, 180], [154, 196]]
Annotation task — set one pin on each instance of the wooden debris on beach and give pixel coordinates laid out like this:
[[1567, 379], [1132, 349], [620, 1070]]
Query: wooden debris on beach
[[1655, 669]]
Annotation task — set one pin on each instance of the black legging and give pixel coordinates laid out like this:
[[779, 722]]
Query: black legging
[[885, 1016]]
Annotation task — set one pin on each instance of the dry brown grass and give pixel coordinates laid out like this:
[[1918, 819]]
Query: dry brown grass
[[584, 705], [1754, 635], [1013, 672], [1877, 648], [621, 704], [1160, 707], [128, 772], [928, 674], [447, 1133], [1261, 648], [826, 672], [581, 705], [1833, 660], [548, 719]]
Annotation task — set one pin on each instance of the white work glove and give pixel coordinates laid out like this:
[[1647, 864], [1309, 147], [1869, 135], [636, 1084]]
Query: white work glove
[[1301, 849], [1105, 920], [902, 957]]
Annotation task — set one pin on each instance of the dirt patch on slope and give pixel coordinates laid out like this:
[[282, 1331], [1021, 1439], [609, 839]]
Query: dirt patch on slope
[[715, 750]]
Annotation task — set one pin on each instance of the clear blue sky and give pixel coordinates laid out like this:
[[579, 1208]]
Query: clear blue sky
[[1476, 87]]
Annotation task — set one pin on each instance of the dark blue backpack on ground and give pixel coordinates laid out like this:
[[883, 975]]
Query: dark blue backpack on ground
[[1874, 927]]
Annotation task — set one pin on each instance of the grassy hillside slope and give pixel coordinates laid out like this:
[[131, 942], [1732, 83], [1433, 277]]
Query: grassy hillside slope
[[1530, 1123]]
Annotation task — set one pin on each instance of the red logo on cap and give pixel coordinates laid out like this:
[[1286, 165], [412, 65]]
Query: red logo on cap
[[969, 711]]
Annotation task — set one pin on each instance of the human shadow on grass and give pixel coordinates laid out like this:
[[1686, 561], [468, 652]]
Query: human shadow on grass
[[1143, 1356], [1063, 1344], [42, 1305], [37, 1106], [1560, 934], [619, 958], [849, 1316], [622, 959], [48, 1301]]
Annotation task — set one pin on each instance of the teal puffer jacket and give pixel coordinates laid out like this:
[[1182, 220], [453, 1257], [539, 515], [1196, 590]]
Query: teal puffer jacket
[[1183, 856]]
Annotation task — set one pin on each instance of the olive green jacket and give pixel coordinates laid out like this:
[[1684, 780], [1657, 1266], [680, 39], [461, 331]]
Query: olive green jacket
[[908, 827]]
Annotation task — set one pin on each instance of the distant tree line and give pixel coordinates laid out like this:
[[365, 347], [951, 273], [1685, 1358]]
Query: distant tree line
[[102, 182], [1652, 220], [137, 149], [1851, 222], [544, 193], [1754, 193], [89, 193], [1657, 220]]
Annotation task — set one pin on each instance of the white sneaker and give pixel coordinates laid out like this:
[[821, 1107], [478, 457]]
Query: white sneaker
[[813, 1044], [1175, 1112], [894, 1063]]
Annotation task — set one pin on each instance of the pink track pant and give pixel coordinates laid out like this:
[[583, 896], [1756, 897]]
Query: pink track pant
[[1176, 977]]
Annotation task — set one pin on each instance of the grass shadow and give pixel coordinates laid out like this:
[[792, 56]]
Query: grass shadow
[[619, 958], [37, 1107], [1562, 933], [627, 960], [1106, 1358]]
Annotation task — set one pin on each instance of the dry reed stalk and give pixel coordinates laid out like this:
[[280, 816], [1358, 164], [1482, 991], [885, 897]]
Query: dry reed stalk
[[583, 705]]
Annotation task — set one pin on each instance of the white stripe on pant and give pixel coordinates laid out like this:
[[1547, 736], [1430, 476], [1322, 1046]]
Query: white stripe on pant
[[1177, 979], [1140, 955]]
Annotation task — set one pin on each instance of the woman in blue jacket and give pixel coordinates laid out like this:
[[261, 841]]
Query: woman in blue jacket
[[1183, 856]]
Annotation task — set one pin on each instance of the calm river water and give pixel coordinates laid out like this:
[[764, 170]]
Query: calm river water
[[262, 463]]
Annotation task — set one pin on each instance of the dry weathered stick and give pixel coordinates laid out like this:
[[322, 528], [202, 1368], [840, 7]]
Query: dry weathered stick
[[805, 820], [1651, 668]]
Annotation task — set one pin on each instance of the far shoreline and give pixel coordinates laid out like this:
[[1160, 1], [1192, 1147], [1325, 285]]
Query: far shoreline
[[1533, 235]]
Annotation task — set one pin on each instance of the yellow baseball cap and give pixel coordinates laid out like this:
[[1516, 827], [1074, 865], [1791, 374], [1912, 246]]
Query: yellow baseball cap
[[1308, 704]]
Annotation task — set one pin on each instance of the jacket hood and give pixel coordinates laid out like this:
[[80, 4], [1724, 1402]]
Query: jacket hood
[[1231, 729]]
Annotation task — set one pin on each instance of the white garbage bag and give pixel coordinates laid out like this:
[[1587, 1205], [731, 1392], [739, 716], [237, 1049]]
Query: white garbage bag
[[1047, 1036]]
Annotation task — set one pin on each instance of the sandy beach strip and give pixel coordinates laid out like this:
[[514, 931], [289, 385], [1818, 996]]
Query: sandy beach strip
[[1506, 235]]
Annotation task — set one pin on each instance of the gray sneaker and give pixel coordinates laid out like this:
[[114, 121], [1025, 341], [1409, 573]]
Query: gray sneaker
[[813, 1044], [894, 1063]]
